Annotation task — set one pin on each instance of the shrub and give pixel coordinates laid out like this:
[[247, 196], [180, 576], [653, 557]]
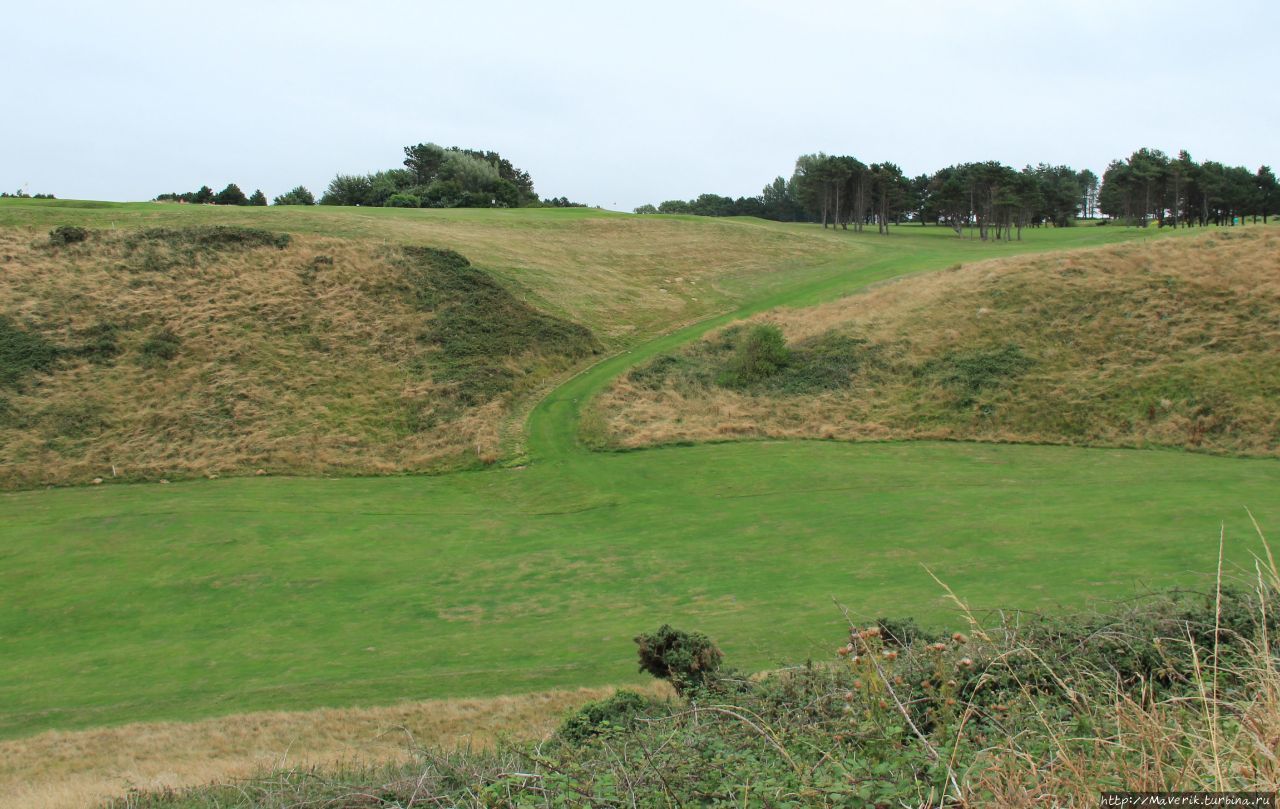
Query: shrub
[[161, 346], [403, 200], [760, 356], [687, 659], [63, 235], [22, 352], [619, 711]]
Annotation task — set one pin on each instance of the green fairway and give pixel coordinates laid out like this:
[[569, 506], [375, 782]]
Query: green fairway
[[178, 601]]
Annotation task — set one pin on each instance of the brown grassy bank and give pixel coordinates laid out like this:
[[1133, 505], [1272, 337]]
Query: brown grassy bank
[[156, 354], [1174, 344]]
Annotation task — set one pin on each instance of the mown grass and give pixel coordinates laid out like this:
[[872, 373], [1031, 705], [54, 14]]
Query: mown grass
[[1171, 692]]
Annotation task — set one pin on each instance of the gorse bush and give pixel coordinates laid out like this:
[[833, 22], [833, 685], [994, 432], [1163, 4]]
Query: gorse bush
[[63, 235], [687, 659]]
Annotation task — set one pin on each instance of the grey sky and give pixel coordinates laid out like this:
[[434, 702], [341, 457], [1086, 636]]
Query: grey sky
[[618, 104]]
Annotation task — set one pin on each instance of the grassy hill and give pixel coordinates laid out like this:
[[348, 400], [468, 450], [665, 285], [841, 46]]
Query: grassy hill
[[1174, 343], [193, 340]]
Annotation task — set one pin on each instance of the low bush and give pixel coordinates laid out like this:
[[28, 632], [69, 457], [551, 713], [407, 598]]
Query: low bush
[[761, 355], [67, 234], [687, 659], [618, 712]]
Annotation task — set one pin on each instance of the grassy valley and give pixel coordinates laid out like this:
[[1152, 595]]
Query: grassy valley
[[296, 592]]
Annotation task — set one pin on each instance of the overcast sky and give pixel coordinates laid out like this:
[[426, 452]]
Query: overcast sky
[[618, 104]]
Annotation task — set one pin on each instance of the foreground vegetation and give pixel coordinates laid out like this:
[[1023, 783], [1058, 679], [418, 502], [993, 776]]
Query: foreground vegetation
[[1168, 344], [1168, 692]]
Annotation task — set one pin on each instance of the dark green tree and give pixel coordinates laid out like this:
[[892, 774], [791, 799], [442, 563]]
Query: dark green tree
[[231, 195], [297, 196]]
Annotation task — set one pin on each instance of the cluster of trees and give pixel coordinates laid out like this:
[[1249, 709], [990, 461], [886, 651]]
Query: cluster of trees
[[231, 195], [996, 201], [842, 191], [1149, 186], [436, 177], [20, 194]]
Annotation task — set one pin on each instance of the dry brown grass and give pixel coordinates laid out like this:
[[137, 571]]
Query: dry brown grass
[[61, 770], [283, 367], [1173, 343]]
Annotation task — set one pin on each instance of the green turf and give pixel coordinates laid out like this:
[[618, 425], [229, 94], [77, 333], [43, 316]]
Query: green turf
[[122, 603]]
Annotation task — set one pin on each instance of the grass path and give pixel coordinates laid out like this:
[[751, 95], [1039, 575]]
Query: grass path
[[126, 603]]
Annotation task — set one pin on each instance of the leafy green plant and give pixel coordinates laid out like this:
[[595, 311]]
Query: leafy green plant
[[617, 712], [687, 659]]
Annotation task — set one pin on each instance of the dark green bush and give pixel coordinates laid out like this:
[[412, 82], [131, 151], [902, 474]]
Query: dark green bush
[[160, 346], [617, 712], [687, 659], [22, 351], [63, 235], [760, 356], [403, 200]]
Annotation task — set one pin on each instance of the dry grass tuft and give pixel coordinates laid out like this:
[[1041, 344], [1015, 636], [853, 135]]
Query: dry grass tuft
[[61, 770], [1174, 343]]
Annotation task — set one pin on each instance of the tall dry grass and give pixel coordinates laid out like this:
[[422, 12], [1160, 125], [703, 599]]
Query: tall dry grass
[[1173, 343], [304, 360]]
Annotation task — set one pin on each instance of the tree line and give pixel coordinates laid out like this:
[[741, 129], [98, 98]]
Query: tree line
[[231, 195], [996, 201], [432, 176]]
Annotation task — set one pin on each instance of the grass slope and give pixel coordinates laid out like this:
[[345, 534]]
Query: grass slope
[[160, 353], [210, 597], [1174, 344]]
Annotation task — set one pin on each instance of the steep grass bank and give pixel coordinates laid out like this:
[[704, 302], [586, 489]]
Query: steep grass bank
[[166, 353], [1174, 343]]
